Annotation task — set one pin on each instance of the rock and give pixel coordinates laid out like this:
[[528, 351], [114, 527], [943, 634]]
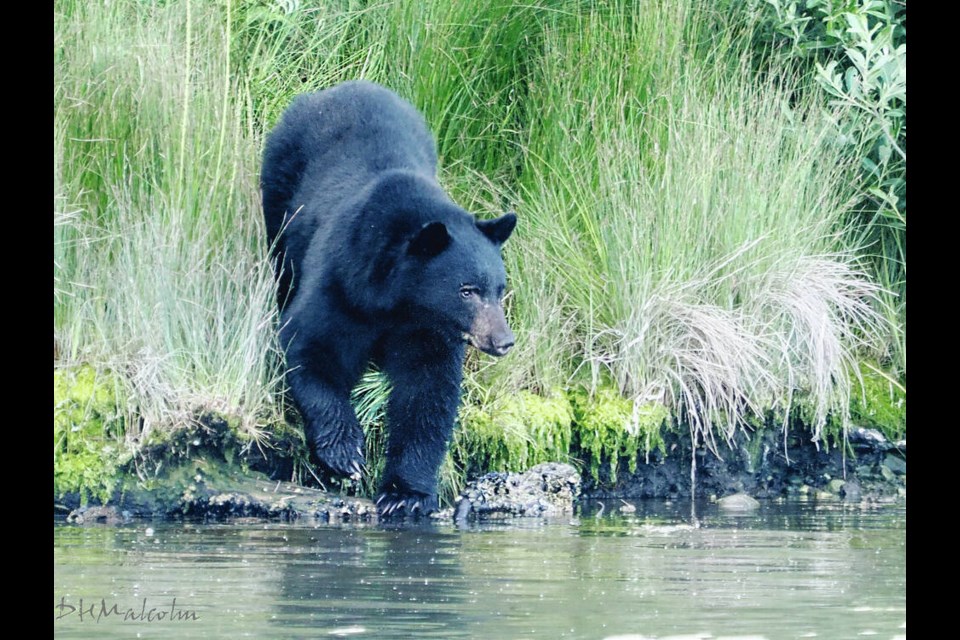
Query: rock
[[895, 463], [96, 515], [795, 466], [850, 491], [738, 502], [862, 438], [887, 474], [548, 489], [835, 486], [226, 493], [865, 471]]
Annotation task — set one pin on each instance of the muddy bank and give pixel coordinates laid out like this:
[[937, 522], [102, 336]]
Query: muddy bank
[[546, 490], [204, 473], [239, 495], [762, 465]]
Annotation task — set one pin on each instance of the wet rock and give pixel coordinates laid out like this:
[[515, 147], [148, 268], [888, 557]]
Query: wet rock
[[862, 438], [227, 495], [254, 497], [738, 502], [548, 489], [896, 464]]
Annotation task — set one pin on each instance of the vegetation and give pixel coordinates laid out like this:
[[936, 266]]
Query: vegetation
[[712, 205], [880, 402], [857, 53], [88, 432]]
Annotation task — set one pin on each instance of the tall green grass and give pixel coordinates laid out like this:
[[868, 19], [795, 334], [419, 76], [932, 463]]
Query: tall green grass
[[158, 268], [680, 233], [684, 221]]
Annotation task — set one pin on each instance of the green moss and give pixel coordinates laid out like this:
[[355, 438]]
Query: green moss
[[881, 403], [515, 434], [609, 427], [174, 487], [87, 432], [528, 429]]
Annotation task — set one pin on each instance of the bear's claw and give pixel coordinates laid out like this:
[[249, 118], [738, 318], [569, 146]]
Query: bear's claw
[[402, 505], [342, 459]]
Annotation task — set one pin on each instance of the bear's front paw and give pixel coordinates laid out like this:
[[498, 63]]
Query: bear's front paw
[[399, 505], [342, 457]]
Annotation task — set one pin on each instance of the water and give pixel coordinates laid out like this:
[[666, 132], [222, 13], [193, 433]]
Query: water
[[797, 570]]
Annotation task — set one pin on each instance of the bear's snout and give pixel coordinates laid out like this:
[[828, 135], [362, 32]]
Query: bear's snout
[[504, 344], [490, 332]]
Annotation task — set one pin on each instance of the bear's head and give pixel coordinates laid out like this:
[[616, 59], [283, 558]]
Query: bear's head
[[463, 279], [427, 262]]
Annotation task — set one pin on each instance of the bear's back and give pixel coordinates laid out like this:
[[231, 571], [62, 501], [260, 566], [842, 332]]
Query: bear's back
[[326, 149], [365, 126], [331, 143]]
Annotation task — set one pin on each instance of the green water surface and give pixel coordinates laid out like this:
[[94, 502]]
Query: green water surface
[[800, 570]]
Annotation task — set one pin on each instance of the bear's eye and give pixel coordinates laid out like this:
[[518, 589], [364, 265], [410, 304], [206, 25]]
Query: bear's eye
[[467, 292]]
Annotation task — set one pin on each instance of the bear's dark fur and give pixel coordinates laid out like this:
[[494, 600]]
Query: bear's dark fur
[[375, 263]]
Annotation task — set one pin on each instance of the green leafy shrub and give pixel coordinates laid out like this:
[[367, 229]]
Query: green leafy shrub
[[856, 52]]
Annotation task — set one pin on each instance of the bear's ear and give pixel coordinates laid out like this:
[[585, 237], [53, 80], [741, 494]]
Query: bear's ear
[[431, 240], [498, 229]]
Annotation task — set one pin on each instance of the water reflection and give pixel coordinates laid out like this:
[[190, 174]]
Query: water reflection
[[402, 577], [783, 571]]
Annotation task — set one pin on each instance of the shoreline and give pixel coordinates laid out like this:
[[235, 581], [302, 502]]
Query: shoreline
[[208, 483]]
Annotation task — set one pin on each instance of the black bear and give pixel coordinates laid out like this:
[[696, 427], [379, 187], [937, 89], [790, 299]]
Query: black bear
[[376, 264]]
